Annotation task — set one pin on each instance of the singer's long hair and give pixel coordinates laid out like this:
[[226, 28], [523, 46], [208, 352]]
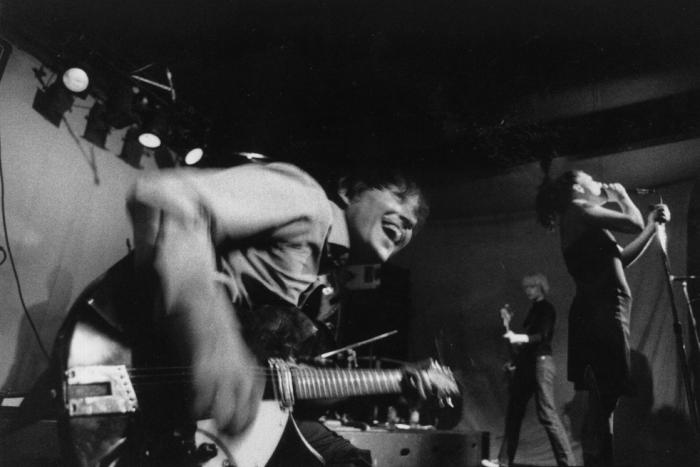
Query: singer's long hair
[[553, 195]]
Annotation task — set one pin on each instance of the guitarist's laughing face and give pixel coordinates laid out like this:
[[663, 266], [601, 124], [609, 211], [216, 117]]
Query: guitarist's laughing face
[[381, 222]]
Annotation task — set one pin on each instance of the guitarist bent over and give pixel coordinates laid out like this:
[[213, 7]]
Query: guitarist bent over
[[212, 245], [534, 374]]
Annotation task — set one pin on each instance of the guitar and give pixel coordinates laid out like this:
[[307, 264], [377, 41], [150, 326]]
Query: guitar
[[108, 408], [506, 315]]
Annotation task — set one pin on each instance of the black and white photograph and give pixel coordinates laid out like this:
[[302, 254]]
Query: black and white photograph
[[349, 233]]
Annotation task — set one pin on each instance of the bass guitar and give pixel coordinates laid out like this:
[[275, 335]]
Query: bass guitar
[[506, 314]]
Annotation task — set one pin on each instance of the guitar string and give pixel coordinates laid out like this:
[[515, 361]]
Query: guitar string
[[146, 373]]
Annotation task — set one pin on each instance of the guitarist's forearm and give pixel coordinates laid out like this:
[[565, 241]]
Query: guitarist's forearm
[[209, 314], [189, 281]]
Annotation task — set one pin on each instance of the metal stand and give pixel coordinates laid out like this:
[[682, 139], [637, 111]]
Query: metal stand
[[680, 344], [350, 348], [689, 306]]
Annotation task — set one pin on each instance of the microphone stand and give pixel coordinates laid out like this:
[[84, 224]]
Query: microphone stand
[[689, 307], [350, 348], [678, 330]]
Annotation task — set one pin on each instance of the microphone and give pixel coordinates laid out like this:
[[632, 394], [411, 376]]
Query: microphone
[[684, 278], [661, 235]]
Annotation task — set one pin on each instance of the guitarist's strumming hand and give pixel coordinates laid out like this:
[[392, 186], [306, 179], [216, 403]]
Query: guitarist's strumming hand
[[227, 385], [516, 339]]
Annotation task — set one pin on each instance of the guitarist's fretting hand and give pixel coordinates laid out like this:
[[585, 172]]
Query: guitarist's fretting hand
[[429, 379], [415, 382], [516, 339]]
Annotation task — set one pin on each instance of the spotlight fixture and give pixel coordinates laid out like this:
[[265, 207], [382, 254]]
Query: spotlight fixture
[[55, 100], [189, 138], [97, 128], [132, 150], [154, 129], [193, 156], [75, 79]]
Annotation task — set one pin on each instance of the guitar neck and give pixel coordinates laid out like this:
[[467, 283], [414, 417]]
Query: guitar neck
[[314, 383]]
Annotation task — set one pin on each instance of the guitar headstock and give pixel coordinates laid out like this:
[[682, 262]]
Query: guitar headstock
[[506, 314], [441, 383]]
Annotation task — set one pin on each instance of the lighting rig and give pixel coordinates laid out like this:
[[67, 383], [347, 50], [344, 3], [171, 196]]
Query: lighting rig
[[157, 122]]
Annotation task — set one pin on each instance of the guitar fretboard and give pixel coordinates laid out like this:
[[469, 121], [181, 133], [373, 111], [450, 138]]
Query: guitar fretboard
[[311, 383]]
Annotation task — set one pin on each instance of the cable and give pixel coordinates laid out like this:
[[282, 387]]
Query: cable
[[12, 262]]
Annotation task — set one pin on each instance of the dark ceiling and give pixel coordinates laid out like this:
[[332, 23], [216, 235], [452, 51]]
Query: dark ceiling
[[429, 84]]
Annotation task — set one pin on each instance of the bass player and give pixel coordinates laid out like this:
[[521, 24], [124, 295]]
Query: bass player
[[533, 375]]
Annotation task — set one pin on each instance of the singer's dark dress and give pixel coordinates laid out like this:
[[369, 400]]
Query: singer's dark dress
[[599, 315]]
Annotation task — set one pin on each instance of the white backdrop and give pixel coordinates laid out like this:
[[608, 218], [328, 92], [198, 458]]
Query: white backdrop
[[65, 218]]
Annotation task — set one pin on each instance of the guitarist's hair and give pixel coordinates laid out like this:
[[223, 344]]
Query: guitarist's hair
[[538, 279], [380, 176]]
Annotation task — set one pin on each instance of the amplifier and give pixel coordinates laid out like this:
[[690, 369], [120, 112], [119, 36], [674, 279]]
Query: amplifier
[[420, 448]]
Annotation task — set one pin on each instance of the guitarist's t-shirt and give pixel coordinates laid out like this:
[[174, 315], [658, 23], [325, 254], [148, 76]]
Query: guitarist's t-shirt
[[279, 266], [539, 326]]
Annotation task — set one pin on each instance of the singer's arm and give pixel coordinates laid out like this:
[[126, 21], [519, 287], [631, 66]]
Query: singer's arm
[[634, 249], [627, 219]]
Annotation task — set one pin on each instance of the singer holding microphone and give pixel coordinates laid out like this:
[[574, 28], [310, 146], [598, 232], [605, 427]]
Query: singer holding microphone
[[599, 352]]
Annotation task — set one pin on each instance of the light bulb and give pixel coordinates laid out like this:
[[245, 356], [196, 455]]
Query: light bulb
[[76, 80]]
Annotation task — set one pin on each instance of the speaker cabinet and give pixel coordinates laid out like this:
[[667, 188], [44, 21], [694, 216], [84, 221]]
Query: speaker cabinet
[[413, 448]]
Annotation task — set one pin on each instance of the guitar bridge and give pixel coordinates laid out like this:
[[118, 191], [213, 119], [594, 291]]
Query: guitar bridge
[[98, 390]]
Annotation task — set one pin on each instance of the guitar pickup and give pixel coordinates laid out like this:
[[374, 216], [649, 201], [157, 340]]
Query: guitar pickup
[[98, 390]]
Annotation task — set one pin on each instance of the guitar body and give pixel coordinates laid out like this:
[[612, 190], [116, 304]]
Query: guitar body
[[90, 440], [108, 421], [273, 440]]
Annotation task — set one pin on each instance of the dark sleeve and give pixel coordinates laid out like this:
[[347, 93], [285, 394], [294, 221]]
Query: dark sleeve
[[542, 327]]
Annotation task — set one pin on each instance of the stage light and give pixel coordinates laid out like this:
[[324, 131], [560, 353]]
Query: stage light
[[154, 130], [53, 102], [150, 139], [97, 128], [132, 150], [188, 138], [193, 156], [76, 80]]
